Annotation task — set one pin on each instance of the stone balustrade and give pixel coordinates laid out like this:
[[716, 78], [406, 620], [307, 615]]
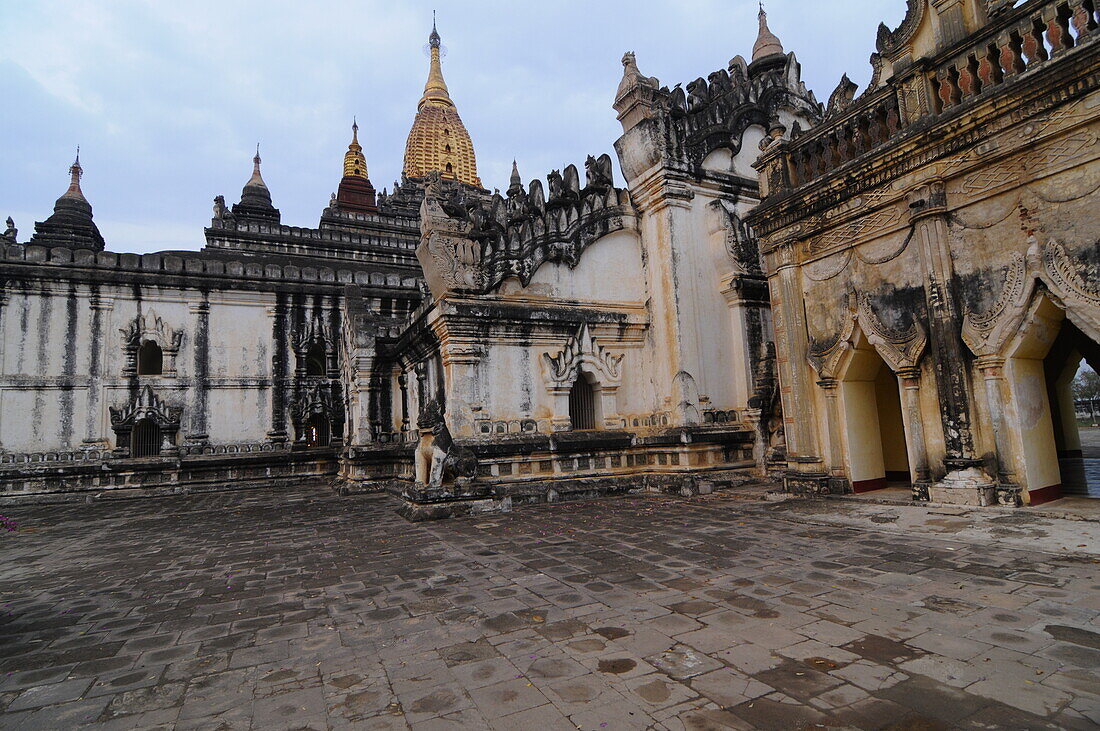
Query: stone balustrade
[[1016, 42]]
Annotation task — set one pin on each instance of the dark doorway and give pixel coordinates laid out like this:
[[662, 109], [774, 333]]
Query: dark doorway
[[582, 404], [145, 439], [150, 360], [315, 361], [1076, 443], [317, 431]]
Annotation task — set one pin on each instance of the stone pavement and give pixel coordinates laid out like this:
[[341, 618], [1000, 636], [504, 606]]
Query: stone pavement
[[304, 610]]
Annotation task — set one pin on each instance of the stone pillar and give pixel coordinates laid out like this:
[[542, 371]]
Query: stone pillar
[[280, 373], [836, 426], [928, 206], [461, 382], [806, 470], [914, 431], [747, 298], [929, 215], [96, 429], [993, 375], [403, 385], [197, 420]]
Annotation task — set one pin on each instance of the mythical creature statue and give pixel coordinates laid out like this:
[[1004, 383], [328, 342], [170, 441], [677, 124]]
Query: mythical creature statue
[[698, 95], [221, 212], [438, 459], [597, 173], [556, 185], [842, 97]]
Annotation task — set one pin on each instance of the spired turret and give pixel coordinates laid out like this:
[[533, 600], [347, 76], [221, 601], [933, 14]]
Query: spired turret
[[438, 141], [767, 43], [71, 223], [356, 194], [255, 197], [515, 183]]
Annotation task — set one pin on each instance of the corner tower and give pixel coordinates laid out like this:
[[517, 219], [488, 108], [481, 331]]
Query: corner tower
[[356, 194], [71, 223], [438, 141]]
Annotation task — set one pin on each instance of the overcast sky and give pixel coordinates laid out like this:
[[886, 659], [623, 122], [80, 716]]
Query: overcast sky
[[168, 99]]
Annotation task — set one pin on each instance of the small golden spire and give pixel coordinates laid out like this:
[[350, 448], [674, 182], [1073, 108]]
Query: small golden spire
[[355, 163], [767, 44], [435, 90], [256, 179], [76, 172]]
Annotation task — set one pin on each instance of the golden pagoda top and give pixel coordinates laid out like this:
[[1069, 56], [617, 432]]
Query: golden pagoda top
[[355, 163], [435, 89], [438, 141]]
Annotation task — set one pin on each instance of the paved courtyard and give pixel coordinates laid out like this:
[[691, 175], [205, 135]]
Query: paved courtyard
[[305, 610]]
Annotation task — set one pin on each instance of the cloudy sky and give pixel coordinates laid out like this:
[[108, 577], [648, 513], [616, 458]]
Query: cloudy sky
[[168, 99]]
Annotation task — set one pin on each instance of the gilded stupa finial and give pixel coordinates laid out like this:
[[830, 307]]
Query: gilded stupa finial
[[767, 44], [256, 179], [435, 90], [438, 141], [76, 172], [355, 162]]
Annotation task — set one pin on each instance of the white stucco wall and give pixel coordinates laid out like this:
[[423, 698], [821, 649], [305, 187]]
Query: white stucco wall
[[62, 362]]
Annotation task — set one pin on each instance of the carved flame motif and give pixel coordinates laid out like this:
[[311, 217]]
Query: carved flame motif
[[147, 406], [582, 352], [151, 327]]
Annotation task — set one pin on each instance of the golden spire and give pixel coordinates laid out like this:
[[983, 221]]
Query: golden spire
[[75, 174], [438, 141], [355, 163], [435, 89], [256, 180], [767, 44]]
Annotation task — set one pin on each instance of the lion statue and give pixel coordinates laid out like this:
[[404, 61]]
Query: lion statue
[[439, 460]]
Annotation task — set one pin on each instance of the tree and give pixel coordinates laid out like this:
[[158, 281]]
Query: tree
[[1086, 385]]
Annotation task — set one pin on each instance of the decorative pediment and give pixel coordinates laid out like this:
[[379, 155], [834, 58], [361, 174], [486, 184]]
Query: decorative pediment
[[987, 333], [317, 398], [841, 98], [900, 349], [740, 242], [582, 353], [889, 41], [313, 331], [147, 405], [150, 326]]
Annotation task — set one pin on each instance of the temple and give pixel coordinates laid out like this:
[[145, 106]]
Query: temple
[[893, 288]]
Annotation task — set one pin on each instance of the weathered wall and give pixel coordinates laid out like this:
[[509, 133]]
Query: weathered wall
[[65, 362], [947, 217]]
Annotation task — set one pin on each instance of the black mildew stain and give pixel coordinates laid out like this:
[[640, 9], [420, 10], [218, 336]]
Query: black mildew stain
[[202, 366], [95, 334], [68, 369], [45, 307]]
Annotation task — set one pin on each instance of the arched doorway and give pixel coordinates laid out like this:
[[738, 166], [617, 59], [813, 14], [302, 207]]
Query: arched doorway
[[583, 404], [145, 439], [1054, 459], [874, 428]]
